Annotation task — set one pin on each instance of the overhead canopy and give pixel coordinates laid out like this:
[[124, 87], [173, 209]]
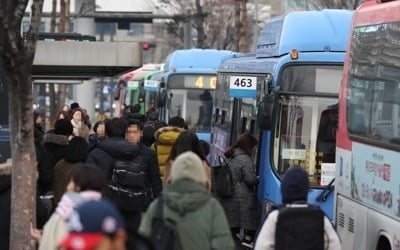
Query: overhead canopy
[[73, 60]]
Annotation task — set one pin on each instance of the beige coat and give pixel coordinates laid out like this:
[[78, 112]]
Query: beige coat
[[54, 231]]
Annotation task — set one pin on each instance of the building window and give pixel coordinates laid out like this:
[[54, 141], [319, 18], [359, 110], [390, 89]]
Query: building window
[[42, 27], [136, 29], [25, 27], [106, 28]]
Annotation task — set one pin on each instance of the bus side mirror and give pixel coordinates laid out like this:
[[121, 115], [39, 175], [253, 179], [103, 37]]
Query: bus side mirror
[[265, 115]]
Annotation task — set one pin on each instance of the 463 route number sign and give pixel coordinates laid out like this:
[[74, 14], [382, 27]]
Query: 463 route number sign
[[243, 86]]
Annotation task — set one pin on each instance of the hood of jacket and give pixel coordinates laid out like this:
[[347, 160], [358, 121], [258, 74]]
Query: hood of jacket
[[119, 148], [185, 196], [56, 140], [167, 135], [239, 154]]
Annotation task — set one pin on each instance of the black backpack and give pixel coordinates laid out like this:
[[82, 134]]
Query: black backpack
[[127, 188], [300, 227], [163, 231], [223, 186]]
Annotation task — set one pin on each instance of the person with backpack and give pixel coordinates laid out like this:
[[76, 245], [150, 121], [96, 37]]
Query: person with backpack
[[241, 206], [186, 216], [131, 169], [296, 224]]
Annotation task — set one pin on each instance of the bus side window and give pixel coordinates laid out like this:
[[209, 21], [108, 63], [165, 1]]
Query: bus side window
[[216, 115], [252, 126], [223, 117], [243, 125]]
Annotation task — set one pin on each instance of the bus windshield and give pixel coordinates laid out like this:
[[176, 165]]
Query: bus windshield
[[191, 97], [194, 105], [305, 132]]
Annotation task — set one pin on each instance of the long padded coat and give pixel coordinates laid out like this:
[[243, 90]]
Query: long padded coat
[[242, 210]]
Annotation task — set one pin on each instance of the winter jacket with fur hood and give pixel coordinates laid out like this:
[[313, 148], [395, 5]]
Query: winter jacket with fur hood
[[165, 138], [56, 145]]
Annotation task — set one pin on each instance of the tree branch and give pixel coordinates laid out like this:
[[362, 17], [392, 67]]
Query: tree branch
[[9, 49], [19, 12], [33, 31]]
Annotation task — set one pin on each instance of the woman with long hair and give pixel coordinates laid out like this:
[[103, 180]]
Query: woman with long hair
[[79, 122], [187, 141], [242, 209]]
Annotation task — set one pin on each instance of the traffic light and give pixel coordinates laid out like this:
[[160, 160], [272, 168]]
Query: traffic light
[[147, 45]]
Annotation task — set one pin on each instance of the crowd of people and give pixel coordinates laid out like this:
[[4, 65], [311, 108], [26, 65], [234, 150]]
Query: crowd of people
[[104, 187]]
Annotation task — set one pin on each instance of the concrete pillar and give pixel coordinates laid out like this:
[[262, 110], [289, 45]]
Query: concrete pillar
[[84, 93]]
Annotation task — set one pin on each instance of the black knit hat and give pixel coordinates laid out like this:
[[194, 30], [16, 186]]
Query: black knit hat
[[295, 185], [74, 105], [63, 127]]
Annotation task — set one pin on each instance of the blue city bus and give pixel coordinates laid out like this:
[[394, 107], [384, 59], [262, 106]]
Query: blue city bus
[[286, 94], [188, 87]]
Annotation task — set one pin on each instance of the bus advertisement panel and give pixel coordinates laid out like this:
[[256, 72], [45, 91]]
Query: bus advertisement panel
[[367, 211]]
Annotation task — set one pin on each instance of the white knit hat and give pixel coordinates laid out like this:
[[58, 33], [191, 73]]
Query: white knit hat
[[188, 166]]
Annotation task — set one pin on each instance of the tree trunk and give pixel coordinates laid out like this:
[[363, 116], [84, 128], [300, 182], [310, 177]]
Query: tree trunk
[[53, 16], [199, 20], [64, 28], [236, 36], [17, 56], [62, 16], [52, 95], [24, 172], [243, 34], [53, 104], [62, 88]]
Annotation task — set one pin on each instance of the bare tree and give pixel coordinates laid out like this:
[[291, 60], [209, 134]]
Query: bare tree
[[64, 28], [199, 19], [244, 27], [52, 91], [237, 25], [57, 99], [17, 53], [219, 24], [324, 4]]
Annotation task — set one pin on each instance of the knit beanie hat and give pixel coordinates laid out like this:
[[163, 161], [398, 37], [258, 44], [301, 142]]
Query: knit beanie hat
[[295, 185], [188, 166], [63, 127]]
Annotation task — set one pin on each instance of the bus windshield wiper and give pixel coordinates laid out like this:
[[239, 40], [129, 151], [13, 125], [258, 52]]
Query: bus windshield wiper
[[326, 191]]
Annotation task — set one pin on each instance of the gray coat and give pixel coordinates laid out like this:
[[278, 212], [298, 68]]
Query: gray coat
[[242, 210]]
